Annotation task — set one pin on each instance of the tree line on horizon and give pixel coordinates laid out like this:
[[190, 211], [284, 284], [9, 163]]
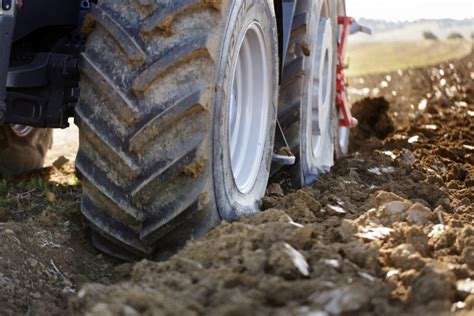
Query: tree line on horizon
[[430, 35]]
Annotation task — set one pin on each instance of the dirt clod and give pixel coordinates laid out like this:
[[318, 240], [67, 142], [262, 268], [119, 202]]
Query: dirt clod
[[433, 283], [374, 121], [419, 214], [60, 162], [405, 257], [346, 299]]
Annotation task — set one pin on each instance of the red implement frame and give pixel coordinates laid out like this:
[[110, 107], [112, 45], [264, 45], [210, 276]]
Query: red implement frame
[[342, 99]]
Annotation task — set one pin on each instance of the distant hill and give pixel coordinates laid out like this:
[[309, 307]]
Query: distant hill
[[413, 30]]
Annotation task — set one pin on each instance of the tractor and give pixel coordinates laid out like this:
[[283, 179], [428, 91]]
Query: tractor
[[185, 107]]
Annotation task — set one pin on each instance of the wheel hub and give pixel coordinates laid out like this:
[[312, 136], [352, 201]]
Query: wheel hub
[[321, 103], [250, 99]]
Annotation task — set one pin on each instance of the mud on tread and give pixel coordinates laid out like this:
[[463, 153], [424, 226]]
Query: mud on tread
[[293, 75], [138, 136]]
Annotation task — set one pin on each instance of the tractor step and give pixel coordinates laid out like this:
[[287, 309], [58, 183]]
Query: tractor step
[[283, 156], [286, 160]]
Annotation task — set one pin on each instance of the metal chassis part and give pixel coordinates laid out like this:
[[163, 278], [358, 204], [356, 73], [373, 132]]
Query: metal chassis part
[[7, 25], [342, 98], [45, 91], [348, 26], [40, 86]]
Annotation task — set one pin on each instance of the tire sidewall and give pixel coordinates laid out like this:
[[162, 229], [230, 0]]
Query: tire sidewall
[[231, 203], [308, 175], [340, 150]]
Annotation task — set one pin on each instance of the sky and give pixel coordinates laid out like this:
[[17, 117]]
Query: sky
[[408, 10]]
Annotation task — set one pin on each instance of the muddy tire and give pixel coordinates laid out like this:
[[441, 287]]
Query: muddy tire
[[23, 149], [307, 112], [154, 154]]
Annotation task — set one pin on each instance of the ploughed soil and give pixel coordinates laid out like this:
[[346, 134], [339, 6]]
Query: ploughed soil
[[389, 231]]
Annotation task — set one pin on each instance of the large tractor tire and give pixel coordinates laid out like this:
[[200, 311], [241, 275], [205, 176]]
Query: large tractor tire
[[308, 112], [23, 149], [176, 119]]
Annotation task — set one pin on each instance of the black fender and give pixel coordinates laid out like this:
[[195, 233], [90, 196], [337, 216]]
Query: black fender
[[37, 14]]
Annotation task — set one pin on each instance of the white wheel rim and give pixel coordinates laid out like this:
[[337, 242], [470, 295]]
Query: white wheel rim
[[321, 154], [249, 106]]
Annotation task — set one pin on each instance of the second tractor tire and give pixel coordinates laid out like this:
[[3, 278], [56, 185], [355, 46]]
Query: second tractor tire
[[313, 43]]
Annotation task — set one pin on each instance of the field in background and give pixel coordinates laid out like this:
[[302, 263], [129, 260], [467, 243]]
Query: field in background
[[404, 31], [379, 57]]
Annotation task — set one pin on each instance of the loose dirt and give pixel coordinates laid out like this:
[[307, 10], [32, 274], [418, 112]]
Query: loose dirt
[[389, 231]]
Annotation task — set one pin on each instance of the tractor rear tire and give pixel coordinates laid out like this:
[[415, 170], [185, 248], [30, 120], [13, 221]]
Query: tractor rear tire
[[307, 110], [23, 149], [156, 91]]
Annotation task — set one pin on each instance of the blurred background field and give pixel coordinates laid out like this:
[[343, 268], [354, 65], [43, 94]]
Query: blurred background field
[[408, 44], [400, 31], [380, 57]]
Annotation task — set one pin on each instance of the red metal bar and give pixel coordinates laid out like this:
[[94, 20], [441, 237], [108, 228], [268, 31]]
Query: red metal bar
[[342, 98]]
